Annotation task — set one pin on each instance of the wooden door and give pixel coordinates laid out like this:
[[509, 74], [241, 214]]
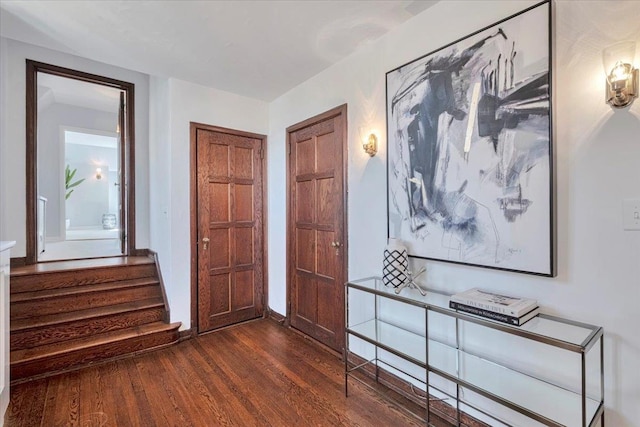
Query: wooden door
[[229, 226], [317, 253]]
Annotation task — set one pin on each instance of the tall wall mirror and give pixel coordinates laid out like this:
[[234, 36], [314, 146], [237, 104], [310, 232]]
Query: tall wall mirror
[[79, 165]]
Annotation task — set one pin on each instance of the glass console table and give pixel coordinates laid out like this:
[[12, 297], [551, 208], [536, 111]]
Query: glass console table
[[549, 371]]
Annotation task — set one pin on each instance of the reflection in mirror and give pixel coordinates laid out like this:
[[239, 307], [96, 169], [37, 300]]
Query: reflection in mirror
[[78, 168]]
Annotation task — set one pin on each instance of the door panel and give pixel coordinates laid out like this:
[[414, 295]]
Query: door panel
[[327, 265], [317, 252], [326, 196], [230, 231], [244, 202]]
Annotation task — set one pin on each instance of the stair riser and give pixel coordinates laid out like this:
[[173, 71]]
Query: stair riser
[[83, 301], [20, 370], [30, 338], [65, 279], [81, 289]]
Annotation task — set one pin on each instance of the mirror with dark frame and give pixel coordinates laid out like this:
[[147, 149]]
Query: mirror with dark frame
[[79, 165]]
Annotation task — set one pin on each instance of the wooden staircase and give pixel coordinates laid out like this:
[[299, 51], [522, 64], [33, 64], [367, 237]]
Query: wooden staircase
[[65, 315]]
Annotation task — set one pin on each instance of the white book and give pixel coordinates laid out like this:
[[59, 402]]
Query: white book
[[511, 306]]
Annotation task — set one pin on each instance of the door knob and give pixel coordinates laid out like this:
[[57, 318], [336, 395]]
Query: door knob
[[205, 240], [337, 246]]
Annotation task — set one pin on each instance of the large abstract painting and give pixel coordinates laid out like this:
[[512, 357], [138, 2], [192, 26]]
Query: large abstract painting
[[470, 167]]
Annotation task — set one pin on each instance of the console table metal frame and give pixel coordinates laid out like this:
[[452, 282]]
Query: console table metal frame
[[595, 335]]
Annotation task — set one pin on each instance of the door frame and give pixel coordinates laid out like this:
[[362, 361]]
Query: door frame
[[128, 169], [340, 110], [193, 208]]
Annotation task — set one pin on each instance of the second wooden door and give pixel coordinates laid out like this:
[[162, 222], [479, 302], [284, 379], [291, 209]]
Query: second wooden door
[[317, 237]]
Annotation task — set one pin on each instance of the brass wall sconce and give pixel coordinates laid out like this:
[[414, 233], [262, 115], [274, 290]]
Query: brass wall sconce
[[622, 77], [369, 142], [98, 173]]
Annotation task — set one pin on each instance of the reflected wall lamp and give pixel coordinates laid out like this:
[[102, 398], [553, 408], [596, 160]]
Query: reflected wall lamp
[[369, 142], [622, 77]]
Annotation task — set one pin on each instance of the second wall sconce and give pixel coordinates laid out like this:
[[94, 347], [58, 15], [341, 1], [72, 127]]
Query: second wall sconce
[[622, 77], [369, 141], [98, 173]]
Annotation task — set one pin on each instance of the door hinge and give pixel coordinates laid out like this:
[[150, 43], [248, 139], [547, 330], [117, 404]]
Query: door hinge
[[261, 153], [289, 148]]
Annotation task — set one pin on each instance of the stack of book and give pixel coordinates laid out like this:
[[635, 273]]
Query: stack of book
[[502, 308]]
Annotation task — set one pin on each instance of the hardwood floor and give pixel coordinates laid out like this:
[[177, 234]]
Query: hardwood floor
[[255, 374]]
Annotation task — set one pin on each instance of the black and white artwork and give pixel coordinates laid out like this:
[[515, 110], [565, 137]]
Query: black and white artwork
[[469, 149]]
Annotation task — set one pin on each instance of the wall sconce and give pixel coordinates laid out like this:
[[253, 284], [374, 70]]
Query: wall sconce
[[98, 173], [622, 78], [369, 141]]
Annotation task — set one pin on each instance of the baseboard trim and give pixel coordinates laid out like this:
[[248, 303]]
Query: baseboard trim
[[141, 252], [406, 390], [187, 334], [18, 262], [275, 316]]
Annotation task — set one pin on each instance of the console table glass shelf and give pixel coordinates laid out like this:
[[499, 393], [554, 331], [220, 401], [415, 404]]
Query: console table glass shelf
[[540, 392]]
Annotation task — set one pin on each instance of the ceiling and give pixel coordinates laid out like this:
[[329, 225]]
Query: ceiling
[[63, 90], [260, 49]]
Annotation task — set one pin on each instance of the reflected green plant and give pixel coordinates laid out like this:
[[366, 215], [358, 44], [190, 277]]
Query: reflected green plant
[[68, 178]]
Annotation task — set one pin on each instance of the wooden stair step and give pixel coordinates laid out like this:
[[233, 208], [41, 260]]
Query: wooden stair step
[[56, 267], [54, 319], [56, 349], [68, 314], [81, 351], [32, 279], [82, 301], [43, 330], [83, 289]]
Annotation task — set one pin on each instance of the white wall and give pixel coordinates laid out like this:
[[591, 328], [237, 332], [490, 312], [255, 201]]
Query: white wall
[[5, 208], [13, 142], [598, 162], [170, 148], [159, 179]]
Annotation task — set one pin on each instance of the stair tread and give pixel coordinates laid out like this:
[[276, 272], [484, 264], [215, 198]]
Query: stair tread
[[22, 324], [74, 290], [81, 264], [50, 350]]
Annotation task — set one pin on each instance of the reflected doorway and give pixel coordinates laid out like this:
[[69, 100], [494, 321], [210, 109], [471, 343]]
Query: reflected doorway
[[88, 223], [81, 155]]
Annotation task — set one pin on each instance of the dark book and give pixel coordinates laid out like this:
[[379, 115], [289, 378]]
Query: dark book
[[492, 315]]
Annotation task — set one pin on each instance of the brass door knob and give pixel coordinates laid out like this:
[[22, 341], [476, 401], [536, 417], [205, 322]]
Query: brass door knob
[[337, 246]]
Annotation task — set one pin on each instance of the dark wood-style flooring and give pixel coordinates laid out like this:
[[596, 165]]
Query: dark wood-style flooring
[[255, 374]]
